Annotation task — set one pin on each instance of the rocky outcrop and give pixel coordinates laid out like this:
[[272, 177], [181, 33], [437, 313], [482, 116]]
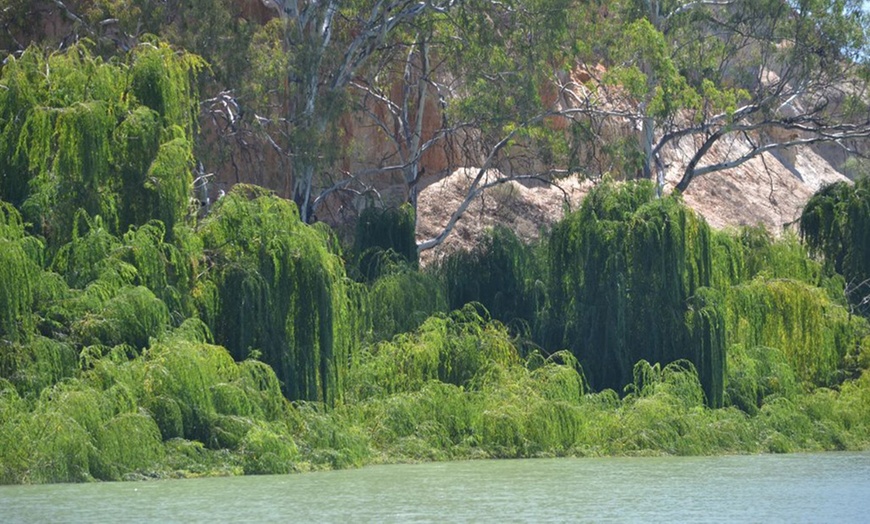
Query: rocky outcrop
[[767, 191]]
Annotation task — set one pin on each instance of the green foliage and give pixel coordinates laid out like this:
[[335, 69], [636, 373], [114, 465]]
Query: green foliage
[[85, 257], [678, 378], [112, 422], [450, 348], [116, 454], [161, 80], [138, 142], [836, 224], [507, 408], [269, 62], [281, 290], [508, 75], [107, 371], [458, 390], [749, 253], [168, 181], [627, 279], [167, 269], [132, 316], [501, 273], [401, 301], [18, 274], [649, 72], [268, 452], [383, 235], [184, 373], [757, 375], [37, 364], [705, 321], [814, 334], [106, 138], [217, 30]]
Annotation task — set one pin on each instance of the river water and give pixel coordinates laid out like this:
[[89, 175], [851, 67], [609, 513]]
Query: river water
[[826, 487]]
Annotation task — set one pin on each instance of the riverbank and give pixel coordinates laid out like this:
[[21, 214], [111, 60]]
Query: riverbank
[[507, 408]]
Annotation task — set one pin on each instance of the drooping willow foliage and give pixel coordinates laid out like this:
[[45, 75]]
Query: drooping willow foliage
[[450, 348], [400, 301], [787, 328], [28, 360], [124, 417], [836, 224], [18, 276], [501, 272], [813, 333], [628, 274], [384, 238], [458, 387], [167, 269], [750, 252], [122, 291], [113, 139], [278, 288], [758, 375], [107, 371]]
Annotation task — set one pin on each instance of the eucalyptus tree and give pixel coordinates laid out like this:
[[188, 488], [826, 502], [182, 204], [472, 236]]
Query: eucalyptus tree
[[776, 74], [327, 43], [502, 102], [399, 113]]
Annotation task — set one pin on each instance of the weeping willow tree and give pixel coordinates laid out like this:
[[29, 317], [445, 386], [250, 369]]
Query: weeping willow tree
[[96, 259], [814, 334], [628, 274], [109, 138], [124, 416], [399, 302], [452, 348], [384, 255], [384, 239], [501, 272], [104, 291], [835, 223], [85, 257], [28, 360], [18, 276], [757, 375], [167, 269], [278, 287], [751, 252]]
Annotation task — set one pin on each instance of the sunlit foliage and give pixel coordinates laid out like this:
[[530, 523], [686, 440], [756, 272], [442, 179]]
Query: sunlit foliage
[[109, 138], [814, 334], [278, 289], [399, 302]]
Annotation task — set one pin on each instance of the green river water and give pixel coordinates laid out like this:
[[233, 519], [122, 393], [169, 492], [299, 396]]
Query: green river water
[[827, 487]]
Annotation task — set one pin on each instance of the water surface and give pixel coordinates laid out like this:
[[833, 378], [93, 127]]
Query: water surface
[[828, 487]]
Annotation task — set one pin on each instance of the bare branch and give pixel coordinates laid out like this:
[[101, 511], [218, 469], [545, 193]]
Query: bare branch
[[688, 176]]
